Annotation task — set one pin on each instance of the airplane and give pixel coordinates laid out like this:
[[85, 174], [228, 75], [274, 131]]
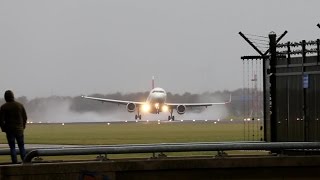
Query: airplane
[[156, 103]]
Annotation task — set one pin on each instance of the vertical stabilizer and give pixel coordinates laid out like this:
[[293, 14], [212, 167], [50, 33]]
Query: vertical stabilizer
[[152, 82]]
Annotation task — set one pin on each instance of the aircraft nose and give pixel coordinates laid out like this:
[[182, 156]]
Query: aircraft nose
[[160, 97]]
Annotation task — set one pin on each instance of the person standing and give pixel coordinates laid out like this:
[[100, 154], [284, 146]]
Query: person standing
[[13, 119]]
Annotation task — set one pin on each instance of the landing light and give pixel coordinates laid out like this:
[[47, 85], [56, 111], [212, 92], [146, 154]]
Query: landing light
[[156, 105], [146, 107], [165, 108]]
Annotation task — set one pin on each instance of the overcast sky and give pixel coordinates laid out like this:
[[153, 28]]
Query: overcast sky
[[73, 47]]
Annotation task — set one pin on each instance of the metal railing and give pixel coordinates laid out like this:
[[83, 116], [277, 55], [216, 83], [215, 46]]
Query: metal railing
[[171, 147]]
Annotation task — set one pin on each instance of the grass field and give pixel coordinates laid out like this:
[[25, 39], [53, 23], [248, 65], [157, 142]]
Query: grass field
[[130, 133]]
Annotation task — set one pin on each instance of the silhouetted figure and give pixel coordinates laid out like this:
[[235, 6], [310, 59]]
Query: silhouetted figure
[[13, 118]]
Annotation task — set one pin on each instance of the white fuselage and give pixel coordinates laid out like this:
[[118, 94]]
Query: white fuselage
[[156, 100]]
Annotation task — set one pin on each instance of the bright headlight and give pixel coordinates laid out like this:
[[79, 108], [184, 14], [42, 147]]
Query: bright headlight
[[156, 105], [146, 107], [165, 108]]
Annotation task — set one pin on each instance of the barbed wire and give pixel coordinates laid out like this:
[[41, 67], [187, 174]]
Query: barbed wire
[[256, 36]]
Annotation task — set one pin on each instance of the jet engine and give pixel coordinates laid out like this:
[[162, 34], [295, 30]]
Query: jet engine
[[131, 107], [181, 109]]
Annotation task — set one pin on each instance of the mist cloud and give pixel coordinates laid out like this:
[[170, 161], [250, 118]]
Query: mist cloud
[[58, 111]]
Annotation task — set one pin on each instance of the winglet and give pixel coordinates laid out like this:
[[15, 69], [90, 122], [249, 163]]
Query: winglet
[[229, 100]]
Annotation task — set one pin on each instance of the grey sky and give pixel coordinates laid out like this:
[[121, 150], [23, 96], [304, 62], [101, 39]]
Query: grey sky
[[73, 47]]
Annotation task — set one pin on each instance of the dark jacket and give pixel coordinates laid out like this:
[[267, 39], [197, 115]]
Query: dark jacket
[[13, 116]]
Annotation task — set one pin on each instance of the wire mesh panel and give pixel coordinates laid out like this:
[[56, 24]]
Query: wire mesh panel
[[253, 100]]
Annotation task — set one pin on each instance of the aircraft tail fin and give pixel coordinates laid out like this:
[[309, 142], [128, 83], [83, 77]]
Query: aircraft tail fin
[[152, 82]]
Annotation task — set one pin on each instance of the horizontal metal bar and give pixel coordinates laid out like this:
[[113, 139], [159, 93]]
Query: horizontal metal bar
[[181, 147], [260, 57], [297, 65], [296, 73], [252, 57], [6, 151]]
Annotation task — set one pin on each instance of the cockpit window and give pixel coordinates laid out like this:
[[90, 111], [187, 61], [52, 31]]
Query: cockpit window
[[158, 91]]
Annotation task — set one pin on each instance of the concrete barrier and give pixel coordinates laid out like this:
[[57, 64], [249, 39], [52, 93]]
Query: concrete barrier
[[269, 167]]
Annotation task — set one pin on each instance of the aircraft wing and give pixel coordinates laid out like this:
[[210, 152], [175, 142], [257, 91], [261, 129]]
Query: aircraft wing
[[198, 104], [115, 101]]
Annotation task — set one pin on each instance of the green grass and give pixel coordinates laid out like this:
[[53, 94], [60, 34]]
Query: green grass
[[130, 133]]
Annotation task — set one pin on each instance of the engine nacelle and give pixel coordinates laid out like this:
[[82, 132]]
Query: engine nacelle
[[131, 107], [181, 109]]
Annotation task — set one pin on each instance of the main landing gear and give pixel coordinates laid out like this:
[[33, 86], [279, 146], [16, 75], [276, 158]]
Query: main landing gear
[[171, 117], [138, 115]]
